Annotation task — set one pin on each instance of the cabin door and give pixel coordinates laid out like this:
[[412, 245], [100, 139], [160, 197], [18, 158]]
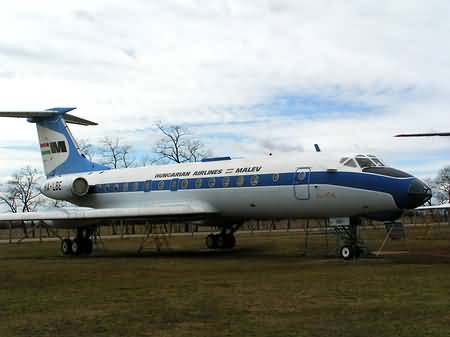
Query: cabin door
[[301, 183]]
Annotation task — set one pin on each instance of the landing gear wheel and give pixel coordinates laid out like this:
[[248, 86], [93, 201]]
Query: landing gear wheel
[[77, 246], [346, 252], [211, 241], [230, 241], [66, 247]]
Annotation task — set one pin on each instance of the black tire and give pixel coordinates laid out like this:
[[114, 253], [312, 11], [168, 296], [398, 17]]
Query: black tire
[[77, 246], [230, 241], [66, 247], [87, 246], [211, 241], [346, 252]]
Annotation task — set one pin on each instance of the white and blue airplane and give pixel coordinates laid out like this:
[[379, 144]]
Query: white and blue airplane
[[220, 192]]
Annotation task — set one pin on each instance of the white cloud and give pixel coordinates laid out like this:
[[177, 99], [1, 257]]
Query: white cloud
[[129, 64]]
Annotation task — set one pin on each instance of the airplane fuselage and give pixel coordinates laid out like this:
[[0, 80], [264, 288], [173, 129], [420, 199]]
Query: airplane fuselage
[[308, 186]]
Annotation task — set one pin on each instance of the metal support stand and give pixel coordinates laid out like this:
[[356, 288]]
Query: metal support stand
[[97, 239], [388, 234], [306, 230], [10, 233], [158, 237]]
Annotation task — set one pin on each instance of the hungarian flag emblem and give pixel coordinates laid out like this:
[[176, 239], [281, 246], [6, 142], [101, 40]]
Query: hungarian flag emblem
[[45, 148]]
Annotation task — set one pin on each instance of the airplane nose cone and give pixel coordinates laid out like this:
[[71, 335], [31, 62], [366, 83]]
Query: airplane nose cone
[[418, 194]]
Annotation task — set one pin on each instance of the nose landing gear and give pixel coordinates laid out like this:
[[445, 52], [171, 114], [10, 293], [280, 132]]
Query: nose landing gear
[[348, 252], [351, 249]]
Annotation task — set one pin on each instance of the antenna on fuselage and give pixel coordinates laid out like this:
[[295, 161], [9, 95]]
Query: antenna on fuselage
[[316, 146]]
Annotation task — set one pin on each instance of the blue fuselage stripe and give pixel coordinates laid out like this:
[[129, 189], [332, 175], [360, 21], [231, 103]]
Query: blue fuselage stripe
[[397, 187]]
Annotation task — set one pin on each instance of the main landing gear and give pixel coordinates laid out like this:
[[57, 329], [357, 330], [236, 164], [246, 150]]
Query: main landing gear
[[220, 241], [224, 240], [80, 245]]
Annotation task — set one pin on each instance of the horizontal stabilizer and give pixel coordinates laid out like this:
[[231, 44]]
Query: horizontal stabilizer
[[77, 120], [48, 114]]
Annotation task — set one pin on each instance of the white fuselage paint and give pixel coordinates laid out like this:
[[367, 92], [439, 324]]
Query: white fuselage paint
[[274, 201]]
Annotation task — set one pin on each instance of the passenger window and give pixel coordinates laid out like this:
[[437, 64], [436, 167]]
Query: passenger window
[[134, 187], [301, 176], [212, 182], [184, 183], [125, 187], [275, 177], [198, 183], [240, 181], [254, 180], [174, 184], [106, 187], [147, 186], [98, 188], [116, 188], [226, 181], [161, 185]]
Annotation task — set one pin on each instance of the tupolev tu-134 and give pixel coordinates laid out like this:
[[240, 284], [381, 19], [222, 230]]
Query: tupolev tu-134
[[221, 192]]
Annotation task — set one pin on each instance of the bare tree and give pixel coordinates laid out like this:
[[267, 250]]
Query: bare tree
[[116, 154], [436, 192], [22, 192], [86, 148], [177, 145], [443, 182]]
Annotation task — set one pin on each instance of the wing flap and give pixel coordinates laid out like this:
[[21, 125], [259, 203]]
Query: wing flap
[[166, 210]]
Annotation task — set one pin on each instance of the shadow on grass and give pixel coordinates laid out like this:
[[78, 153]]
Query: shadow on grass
[[247, 252], [256, 253]]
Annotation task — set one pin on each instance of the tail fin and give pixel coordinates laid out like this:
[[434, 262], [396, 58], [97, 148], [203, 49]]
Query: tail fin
[[60, 152]]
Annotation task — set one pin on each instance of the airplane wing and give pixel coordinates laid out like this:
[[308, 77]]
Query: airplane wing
[[75, 217], [424, 208]]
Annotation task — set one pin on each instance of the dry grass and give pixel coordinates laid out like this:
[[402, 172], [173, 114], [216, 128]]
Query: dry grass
[[263, 288]]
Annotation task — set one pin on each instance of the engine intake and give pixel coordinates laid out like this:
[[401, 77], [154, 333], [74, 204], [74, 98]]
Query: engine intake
[[62, 188]]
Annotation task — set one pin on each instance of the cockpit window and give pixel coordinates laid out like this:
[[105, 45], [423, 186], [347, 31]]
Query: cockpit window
[[377, 161], [350, 163], [364, 162]]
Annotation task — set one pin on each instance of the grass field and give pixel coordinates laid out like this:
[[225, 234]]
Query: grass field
[[265, 287]]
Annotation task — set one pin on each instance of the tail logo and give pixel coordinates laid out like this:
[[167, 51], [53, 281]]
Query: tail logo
[[53, 147]]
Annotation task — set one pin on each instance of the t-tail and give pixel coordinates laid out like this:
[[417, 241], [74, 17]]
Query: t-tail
[[60, 151]]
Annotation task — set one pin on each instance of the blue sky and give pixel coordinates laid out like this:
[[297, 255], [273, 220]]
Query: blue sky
[[246, 77]]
